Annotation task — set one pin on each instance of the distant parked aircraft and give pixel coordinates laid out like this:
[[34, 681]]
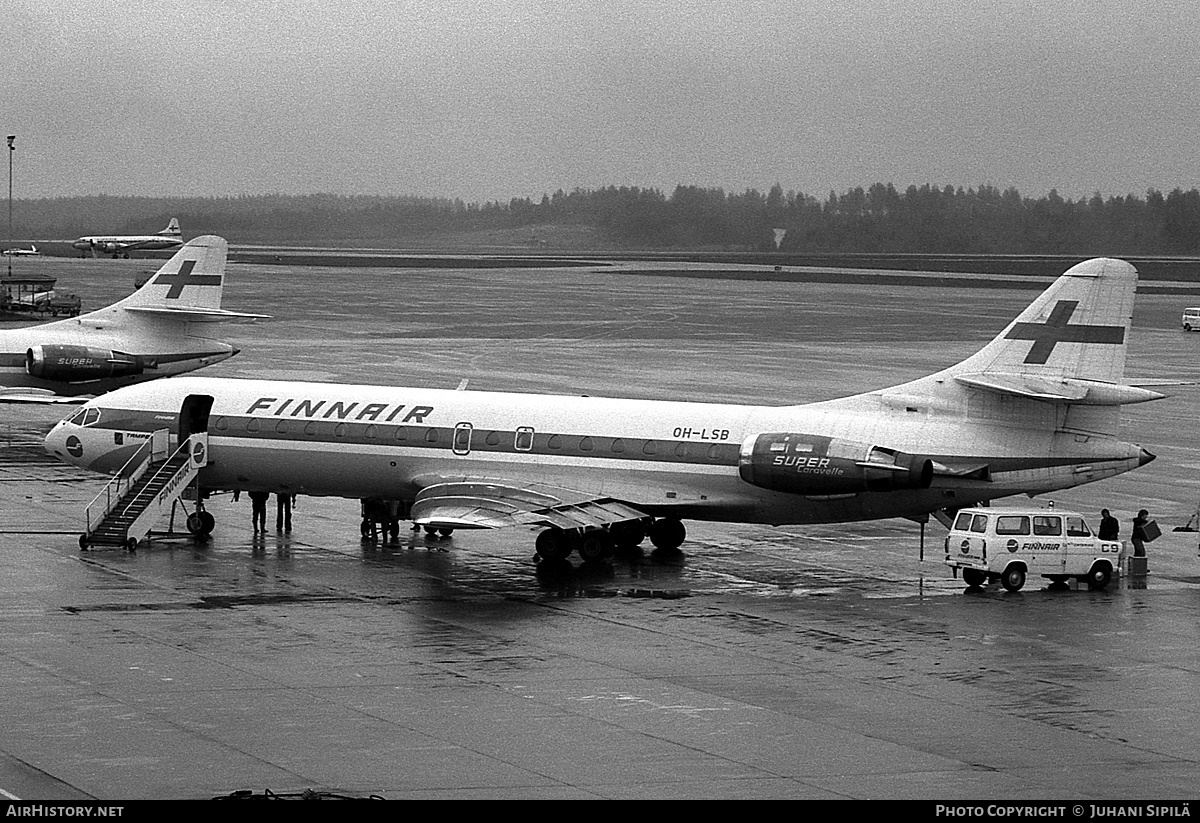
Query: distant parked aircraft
[[121, 244], [29, 252]]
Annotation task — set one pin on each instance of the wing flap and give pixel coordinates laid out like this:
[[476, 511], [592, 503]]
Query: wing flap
[[25, 394], [486, 504]]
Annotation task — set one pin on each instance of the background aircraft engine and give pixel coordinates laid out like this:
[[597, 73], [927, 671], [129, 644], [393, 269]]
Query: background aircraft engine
[[79, 364], [817, 465]]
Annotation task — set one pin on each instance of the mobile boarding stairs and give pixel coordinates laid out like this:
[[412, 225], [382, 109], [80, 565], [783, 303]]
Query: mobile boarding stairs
[[138, 496]]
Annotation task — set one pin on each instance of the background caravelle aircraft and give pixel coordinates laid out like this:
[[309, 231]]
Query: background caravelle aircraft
[[1035, 410], [118, 244], [155, 332]]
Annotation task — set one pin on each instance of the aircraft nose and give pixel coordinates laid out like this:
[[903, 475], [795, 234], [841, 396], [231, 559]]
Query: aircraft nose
[[1145, 457], [55, 443]]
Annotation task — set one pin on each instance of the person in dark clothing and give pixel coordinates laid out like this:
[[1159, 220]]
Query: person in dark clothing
[[283, 512], [1110, 527], [258, 501], [1139, 533]]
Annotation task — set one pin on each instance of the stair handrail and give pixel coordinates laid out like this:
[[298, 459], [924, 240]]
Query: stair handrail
[[184, 448], [120, 483]]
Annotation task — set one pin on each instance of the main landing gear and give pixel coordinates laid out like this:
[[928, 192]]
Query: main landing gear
[[666, 533]]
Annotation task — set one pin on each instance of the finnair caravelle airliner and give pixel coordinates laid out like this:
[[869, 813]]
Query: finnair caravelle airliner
[[122, 244], [157, 331], [1034, 411]]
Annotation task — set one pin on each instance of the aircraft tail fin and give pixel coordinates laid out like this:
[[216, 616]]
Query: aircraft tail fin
[[172, 229], [1068, 347], [191, 280], [1077, 328]]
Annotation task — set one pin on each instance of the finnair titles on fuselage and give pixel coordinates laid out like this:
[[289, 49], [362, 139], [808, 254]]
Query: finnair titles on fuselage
[[337, 410]]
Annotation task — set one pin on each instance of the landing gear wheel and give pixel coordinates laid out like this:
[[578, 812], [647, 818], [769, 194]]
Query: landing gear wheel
[[1099, 577], [628, 535], [207, 523], [195, 525], [974, 578], [667, 534], [445, 532], [594, 546], [1013, 578], [552, 544]]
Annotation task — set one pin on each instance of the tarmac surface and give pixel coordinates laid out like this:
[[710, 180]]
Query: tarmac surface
[[815, 662]]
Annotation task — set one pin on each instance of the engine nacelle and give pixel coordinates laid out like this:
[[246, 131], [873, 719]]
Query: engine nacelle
[[80, 364], [818, 465]]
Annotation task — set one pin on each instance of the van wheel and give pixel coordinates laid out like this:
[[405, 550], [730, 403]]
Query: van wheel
[[974, 578], [1099, 576], [1013, 578]]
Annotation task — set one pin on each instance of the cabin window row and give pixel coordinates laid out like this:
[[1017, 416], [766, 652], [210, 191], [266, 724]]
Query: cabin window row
[[464, 437]]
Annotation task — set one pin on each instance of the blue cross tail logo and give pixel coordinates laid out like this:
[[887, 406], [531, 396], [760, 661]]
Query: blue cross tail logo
[[184, 277], [1056, 329]]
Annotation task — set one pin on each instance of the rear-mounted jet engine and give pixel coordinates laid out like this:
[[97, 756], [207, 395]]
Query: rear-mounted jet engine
[[79, 364], [816, 465]]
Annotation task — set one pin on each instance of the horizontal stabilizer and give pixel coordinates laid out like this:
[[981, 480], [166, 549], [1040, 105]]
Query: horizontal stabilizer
[[198, 315], [1069, 390]]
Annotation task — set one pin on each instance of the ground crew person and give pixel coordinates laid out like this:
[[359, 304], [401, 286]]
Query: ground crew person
[[258, 502], [283, 512], [1110, 527]]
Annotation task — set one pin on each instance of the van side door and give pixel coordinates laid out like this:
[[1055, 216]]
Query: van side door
[[1047, 546]]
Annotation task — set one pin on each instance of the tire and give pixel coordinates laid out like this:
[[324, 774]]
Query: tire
[[552, 544], [975, 578], [84, 543], [1099, 576], [194, 523], [628, 535], [1013, 578], [594, 546], [207, 523], [667, 534], [131, 544]]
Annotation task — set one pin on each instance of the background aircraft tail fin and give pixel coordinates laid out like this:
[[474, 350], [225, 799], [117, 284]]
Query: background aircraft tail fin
[[172, 229], [1076, 329]]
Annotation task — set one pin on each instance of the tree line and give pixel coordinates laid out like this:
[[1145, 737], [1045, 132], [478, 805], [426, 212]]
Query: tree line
[[920, 219]]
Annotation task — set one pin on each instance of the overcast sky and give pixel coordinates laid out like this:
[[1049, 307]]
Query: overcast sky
[[493, 99]]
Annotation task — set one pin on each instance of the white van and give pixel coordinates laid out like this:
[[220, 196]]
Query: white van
[[1191, 318], [1009, 544]]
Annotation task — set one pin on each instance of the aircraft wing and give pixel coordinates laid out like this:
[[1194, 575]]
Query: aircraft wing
[[482, 503], [25, 394], [198, 315]]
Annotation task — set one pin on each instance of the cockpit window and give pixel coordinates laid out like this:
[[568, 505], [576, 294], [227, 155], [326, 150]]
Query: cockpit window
[[76, 417], [90, 416]]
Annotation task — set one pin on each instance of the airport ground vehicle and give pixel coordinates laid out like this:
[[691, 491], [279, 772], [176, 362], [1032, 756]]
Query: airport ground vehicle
[[1010, 544], [1191, 318]]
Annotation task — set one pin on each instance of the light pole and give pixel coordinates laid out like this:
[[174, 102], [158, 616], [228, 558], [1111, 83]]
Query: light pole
[[11, 148]]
